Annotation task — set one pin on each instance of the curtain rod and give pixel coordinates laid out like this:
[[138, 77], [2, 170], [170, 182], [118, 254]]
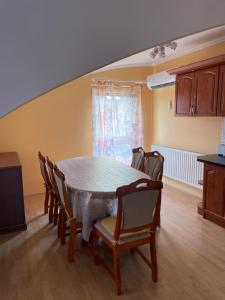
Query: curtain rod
[[141, 82]]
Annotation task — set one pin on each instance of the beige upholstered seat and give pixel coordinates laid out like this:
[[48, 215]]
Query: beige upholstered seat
[[107, 226], [134, 225], [138, 158]]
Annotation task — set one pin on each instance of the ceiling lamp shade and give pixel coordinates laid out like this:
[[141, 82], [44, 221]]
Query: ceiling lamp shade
[[161, 49]]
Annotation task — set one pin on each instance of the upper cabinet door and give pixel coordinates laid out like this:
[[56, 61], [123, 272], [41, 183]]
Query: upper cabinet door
[[221, 95], [206, 90], [184, 93]]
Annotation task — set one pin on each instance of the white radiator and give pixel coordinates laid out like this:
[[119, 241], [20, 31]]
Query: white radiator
[[181, 165]]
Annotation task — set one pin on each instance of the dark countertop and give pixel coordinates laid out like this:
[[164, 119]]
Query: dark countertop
[[213, 159], [9, 160]]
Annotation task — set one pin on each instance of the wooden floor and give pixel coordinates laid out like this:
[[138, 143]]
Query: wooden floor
[[191, 260]]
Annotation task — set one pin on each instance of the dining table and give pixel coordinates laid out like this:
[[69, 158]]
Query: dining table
[[91, 185]]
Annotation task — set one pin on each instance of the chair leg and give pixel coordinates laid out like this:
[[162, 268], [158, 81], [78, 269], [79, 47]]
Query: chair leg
[[116, 261], [132, 251], [71, 242], [63, 228], [55, 213], [51, 208], [59, 222], [95, 248], [159, 221], [154, 259], [159, 218], [46, 200]]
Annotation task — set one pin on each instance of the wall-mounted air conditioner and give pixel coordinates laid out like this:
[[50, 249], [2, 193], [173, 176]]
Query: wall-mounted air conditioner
[[159, 80]]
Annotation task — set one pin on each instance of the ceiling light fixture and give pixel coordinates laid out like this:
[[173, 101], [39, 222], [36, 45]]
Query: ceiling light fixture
[[161, 49]]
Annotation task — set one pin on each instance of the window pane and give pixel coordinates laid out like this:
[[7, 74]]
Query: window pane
[[117, 121]]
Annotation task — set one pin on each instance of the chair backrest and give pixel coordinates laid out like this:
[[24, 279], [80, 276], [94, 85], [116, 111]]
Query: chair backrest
[[61, 191], [138, 206], [138, 158], [44, 171], [50, 167], [153, 165]]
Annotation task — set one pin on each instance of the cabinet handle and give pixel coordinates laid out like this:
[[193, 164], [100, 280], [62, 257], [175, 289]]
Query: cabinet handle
[[190, 111]]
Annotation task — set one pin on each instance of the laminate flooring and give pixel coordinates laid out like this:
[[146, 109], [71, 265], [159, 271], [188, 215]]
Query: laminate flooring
[[190, 250]]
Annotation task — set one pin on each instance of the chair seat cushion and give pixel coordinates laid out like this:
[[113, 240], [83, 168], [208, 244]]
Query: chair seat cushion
[[107, 227]]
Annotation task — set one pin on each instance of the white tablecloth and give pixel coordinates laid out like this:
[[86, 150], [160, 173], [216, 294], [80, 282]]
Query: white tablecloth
[[88, 208], [92, 184]]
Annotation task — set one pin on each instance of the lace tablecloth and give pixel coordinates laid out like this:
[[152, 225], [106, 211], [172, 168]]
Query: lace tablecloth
[[92, 184]]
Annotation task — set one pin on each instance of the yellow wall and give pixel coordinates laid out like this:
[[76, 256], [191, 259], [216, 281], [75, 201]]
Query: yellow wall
[[199, 134], [59, 124]]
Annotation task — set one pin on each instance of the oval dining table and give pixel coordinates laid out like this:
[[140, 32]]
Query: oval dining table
[[92, 183]]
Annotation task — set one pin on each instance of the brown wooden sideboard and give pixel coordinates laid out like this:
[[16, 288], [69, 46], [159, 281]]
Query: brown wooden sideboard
[[213, 205], [12, 215]]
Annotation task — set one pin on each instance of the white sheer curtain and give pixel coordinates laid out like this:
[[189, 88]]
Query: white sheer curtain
[[117, 120]]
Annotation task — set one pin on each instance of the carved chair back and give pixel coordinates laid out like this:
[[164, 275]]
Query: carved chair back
[[61, 191], [138, 206], [138, 158], [153, 165], [44, 172]]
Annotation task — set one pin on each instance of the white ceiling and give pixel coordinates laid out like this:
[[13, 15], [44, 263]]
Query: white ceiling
[[185, 45], [47, 43]]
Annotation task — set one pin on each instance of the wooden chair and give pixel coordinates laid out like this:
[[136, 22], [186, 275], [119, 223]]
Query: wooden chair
[[48, 207], [135, 225], [67, 214], [50, 166], [59, 210], [138, 158], [153, 165]]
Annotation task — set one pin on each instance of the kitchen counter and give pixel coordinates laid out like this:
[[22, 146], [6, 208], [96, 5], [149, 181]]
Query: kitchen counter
[[213, 159], [212, 206]]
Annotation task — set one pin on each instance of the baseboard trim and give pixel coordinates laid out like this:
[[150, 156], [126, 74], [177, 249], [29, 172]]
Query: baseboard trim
[[182, 187], [13, 228], [33, 195]]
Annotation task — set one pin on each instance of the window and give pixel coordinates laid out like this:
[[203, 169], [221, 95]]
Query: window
[[117, 120]]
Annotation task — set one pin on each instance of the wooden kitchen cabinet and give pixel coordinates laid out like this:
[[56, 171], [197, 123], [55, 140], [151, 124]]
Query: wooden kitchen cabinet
[[200, 88], [214, 189], [221, 93], [206, 89], [213, 204], [196, 92], [184, 93]]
